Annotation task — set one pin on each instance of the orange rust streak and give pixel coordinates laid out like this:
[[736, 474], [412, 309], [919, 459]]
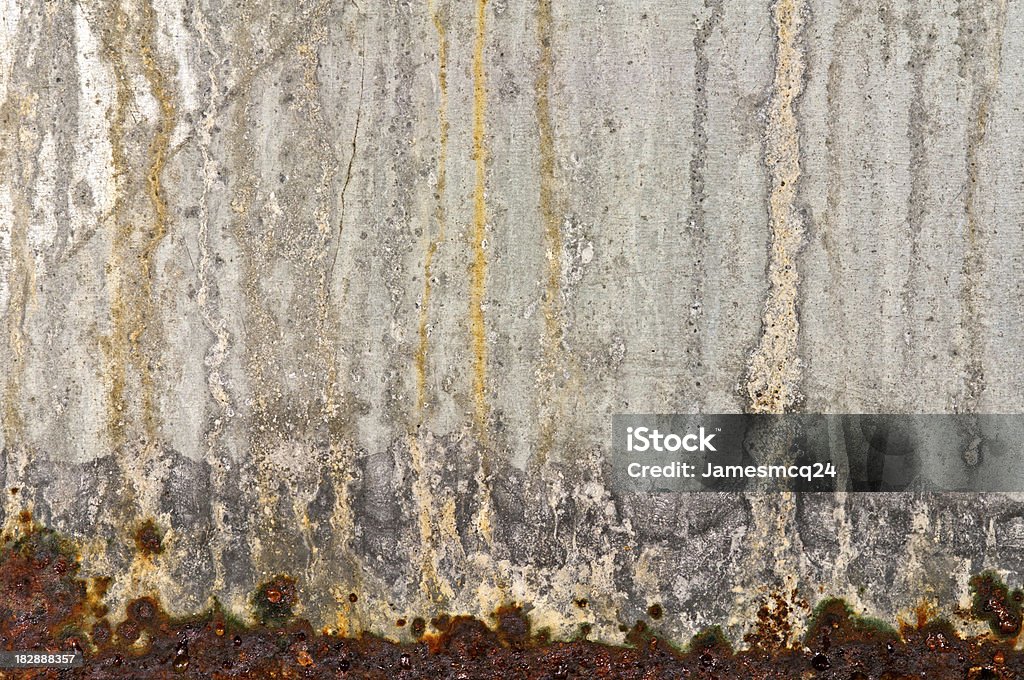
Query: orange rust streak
[[551, 220], [114, 346], [439, 210], [478, 271], [131, 304], [158, 157]]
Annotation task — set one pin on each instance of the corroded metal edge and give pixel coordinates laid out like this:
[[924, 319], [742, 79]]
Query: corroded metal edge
[[46, 605]]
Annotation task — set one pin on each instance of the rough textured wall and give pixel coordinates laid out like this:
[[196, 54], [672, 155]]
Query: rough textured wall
[[349, 290]]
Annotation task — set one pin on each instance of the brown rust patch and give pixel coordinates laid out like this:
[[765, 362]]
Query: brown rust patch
[[42, 600], [128, 631], [149, 539], [101, 633], [513, 626], [772, 629]]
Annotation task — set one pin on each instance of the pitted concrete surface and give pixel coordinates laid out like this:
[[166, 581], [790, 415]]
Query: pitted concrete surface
[[349, 290]]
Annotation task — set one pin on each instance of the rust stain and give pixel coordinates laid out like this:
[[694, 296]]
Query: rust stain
[[430, 583], [478, 280], [478, 269], [440, 214], [774, 371], [46, 606], [114, 345], [132, 308], [551, 216], [157, 160], [161, 140]]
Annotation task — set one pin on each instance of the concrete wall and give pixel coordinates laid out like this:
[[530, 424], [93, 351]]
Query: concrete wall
[[350, 289]]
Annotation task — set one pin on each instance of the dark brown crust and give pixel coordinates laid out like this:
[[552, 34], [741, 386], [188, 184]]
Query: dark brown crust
[[45, 605]]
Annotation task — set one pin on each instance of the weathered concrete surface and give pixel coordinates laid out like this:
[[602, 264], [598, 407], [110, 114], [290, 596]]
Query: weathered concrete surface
[[350, 291]]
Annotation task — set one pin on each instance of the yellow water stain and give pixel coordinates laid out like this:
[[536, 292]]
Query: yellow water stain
[[774, 371], [430, 583], [343, 522], [158, 157], [549, 210], [478, 270], [343, 623], [325, 253], [440, 214], [551, 218], [20, 282], [114, 346], [478, 280], [425, 515], [132, 306]]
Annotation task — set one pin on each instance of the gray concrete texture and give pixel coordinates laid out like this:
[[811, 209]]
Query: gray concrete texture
[[350, 289]]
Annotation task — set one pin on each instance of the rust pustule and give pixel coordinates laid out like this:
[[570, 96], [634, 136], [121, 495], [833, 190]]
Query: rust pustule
[[513, 626], [144, 611], [128, 631], [419, 626], [149, 539], [274, 601], [101, 633]]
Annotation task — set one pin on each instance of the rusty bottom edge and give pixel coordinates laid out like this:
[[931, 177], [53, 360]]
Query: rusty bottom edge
[[46, 606]]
